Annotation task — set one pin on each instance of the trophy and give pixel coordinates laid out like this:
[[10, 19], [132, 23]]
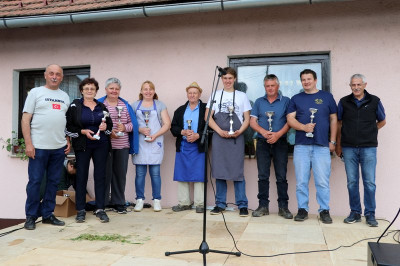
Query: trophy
[[270, 114], [312, 111], [103, 120], [189, 122], [119, 110], [146, 120], [230, 109]]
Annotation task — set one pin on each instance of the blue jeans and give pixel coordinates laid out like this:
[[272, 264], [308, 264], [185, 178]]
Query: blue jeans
[[317, 158], [278, 152], [99, 155], [140, 180], [51, 162], [240, 193], [353, 159]]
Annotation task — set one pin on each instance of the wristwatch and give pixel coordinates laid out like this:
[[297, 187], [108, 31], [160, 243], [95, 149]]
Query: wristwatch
[[333, 142]]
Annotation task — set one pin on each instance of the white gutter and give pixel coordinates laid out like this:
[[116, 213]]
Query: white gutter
[[145, 11]]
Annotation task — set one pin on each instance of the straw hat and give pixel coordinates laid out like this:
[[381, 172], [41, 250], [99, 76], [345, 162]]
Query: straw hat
[[194, 85]]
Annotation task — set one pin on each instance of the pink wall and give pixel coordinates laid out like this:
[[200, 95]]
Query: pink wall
[[173, 51]]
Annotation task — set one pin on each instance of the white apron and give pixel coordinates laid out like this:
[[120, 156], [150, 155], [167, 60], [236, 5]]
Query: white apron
[[149, 152]]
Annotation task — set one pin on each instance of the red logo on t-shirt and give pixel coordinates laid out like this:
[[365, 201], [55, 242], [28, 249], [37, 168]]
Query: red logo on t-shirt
[[56, 106]]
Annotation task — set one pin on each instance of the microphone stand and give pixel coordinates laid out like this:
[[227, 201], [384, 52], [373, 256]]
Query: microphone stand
[[204, 249]]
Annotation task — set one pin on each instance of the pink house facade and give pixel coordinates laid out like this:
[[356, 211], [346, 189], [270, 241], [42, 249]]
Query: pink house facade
[[175, 50]]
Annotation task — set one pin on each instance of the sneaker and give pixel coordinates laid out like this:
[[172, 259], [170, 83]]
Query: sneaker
[[301, 215], [80, 216], [325, 217], [370, 220], [260, 211], [243, 212], [101, 214], [30, 223], [285, 213], [199, 209], [120, 209], [157, 205], [139, 205], [353, 218], [179, 208], [216, 210]]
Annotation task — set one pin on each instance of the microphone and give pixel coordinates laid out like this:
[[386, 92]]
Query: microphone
[[221, 71]]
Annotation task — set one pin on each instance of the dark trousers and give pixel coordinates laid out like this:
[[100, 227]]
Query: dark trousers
[[99, 156], [117, 166], [278, 153], [50, 161]]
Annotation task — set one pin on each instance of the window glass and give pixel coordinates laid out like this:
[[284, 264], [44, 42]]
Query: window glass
[[251, 72], [31, 79]]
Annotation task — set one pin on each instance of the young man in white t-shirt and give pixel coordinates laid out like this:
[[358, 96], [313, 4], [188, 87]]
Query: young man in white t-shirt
[[230, 117]]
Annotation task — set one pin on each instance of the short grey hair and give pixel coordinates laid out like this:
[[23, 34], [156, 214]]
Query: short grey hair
[[113, 80], [272, 77], [358, 76]]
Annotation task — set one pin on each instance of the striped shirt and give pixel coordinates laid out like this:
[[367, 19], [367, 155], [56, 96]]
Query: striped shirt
[[120, 142]]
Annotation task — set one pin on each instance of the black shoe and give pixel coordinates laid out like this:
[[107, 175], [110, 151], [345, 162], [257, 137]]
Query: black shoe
[[301, 215], [199, 209], [370, 220], [101, 214], [325, 217], [243, 212], [179, 208], [120, 209], [80, 216], [260, 211], [52, 220], [216, 210], [285, 213], [353, 218], [30, 223]]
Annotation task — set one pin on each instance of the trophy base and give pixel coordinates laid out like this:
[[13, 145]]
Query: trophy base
[[147, 138], [231, 133], [120, 134], [309, 135], [97, 137]]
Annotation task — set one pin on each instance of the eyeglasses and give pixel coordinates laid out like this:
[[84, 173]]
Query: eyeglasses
[[89, 89]]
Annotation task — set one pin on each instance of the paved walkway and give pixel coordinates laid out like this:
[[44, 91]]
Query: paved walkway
[[151, 234]]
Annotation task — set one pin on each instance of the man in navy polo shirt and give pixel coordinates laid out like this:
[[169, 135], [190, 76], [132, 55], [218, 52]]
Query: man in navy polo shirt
[[312, 151], [271, 145], [360, 115]]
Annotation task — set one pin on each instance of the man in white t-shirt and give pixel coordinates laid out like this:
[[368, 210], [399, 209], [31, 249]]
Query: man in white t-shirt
[[230, 117], [43, 124]]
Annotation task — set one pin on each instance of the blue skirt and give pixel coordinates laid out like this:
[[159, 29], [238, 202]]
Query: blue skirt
[[189, 163]]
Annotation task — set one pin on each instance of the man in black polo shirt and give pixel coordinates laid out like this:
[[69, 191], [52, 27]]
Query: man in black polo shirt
[[360, 115]]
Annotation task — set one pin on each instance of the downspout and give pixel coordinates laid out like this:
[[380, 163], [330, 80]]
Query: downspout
[[145, 11]]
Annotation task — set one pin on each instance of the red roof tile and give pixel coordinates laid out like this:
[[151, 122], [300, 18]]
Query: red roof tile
[[17, 8]]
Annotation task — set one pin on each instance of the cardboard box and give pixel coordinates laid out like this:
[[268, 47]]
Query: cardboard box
[[65, 203]]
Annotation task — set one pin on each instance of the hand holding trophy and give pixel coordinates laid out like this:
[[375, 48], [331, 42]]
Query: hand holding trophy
[[312, 111], [119, 109], [270, 114], [231, 109], [103, 120], [146, 120]]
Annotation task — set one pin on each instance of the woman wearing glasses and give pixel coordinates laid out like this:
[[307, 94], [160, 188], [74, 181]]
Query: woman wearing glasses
[[89, 126]]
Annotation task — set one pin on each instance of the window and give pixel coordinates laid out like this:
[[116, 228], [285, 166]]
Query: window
[[32, 79], [252, 70]]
